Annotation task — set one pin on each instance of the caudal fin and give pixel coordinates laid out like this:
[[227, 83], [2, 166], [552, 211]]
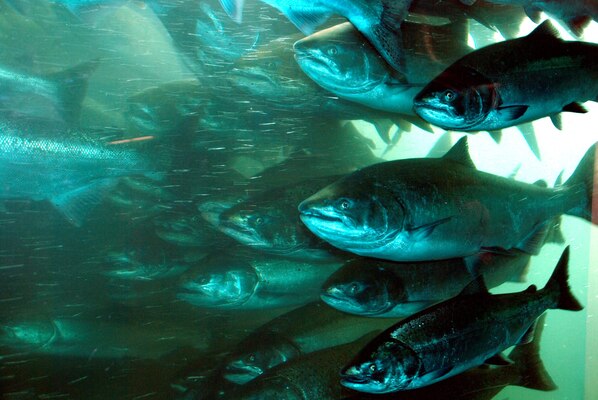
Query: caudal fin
[[558, 285], [581, 185], [386, 35], [71, 86], [532, 373]]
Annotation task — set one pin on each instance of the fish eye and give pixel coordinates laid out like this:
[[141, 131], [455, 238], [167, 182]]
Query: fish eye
[[344, 204], [332, 51], [259, 221], [372, 368], [449, 96], [204, 280], [353, 288], [251, 358]]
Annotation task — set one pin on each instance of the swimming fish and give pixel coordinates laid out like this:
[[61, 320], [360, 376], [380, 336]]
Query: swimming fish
[[292, 335], [342, 61], [384, 289], [455, 335], [54, 96], [41, 162], [485, 382], [425, 209], [248, 280], [313, 376], [512, 82], [269, 222], [378, 20]]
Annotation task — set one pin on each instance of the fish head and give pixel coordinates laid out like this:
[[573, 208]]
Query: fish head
[[247, 365], [357, 218], [382, 368], [28, 334], [363, 289], [261, 226], [270, 73], [341, 60], [458, 99], [226, 284]]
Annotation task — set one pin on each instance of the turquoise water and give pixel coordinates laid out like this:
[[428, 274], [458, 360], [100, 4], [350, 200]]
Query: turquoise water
[[90, 295]]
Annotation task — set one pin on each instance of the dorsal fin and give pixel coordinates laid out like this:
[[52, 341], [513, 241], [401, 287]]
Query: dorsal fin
[[545, 29], [477, 286], [460, 153]]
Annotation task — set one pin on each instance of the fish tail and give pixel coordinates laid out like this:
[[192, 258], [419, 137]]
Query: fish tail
[[532, 373], [558, 286], [581, 185], [386, 35], [71, 87]]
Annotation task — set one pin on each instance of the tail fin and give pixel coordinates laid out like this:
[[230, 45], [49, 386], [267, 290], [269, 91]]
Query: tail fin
[[532, 373], [582, 185], [386, 35], [71, 87], [558, 285]]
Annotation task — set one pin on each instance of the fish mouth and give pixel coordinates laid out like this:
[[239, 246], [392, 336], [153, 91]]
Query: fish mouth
[[309, 214], [353, 379], [240, 374]]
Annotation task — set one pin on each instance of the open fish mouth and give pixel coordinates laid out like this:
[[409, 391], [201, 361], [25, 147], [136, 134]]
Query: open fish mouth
[[349, 380], [241, 373]]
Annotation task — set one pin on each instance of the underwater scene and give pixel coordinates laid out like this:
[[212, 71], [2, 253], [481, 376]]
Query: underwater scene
[[298, 200]]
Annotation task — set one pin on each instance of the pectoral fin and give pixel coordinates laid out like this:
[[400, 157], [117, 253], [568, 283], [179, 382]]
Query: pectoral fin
[[423, 231], [510, 113]]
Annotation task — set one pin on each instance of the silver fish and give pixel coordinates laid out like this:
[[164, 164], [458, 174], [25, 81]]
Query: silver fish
[[512, 82], [55, 96], [39, 163], [378, 20], [433, 209], [455, 335]]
